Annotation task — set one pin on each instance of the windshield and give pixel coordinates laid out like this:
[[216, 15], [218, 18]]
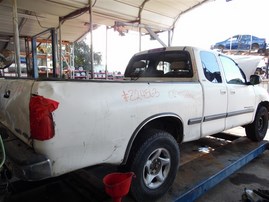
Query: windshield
[[160, 64]]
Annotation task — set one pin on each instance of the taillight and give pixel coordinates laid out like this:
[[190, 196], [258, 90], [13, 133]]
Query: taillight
[[41, 120]]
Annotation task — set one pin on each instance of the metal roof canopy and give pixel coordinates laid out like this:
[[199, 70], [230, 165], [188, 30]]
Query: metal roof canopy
[[35, 16], [74, 19]]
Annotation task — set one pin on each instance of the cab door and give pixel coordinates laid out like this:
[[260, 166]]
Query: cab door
[[215, 95], [241, 102]]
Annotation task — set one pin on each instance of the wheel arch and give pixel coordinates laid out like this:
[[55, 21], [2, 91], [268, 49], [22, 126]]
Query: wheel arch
[[262, 103], [168, 122], [256, 131], [265, 104], [255, 46]]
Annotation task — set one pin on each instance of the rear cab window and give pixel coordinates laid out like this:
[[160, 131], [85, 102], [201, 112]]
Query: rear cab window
[[175, 64]]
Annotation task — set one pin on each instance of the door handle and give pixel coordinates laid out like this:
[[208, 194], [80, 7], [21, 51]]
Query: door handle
[[232, 91], [223, 92]]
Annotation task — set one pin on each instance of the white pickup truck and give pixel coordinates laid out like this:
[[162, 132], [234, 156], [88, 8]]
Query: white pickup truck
[[168, 96]]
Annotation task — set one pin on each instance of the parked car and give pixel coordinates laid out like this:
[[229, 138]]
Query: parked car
[[242, 42]]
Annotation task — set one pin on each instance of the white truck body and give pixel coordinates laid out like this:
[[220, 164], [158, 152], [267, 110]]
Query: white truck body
[[97, 122]]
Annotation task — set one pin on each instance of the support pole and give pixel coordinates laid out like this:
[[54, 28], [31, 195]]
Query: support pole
[[267, 66], [169, 38], [72, 55], [54, 51], [91, 28], [34, 58], [16, 38], [27, 57], [47, 65], [155, 36], [106, 72], [73, 61], [60, 50], [150, 31], [140, 36]]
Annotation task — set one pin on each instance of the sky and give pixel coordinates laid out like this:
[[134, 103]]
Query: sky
[[203, 26], [218, 20]]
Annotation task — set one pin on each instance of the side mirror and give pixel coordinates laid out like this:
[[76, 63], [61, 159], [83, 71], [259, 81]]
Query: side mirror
[[2, 153], [255, 79]]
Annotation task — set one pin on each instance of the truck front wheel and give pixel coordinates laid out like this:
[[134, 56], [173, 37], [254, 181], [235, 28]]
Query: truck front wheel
[[155, 163], [256, 131]]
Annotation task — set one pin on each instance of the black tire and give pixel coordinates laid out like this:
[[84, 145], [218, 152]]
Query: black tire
[[255, 47], [154, 160], [256, 131], [261, 51], [221, 48]]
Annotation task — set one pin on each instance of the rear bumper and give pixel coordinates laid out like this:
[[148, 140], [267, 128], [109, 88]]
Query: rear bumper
[[22, 160]]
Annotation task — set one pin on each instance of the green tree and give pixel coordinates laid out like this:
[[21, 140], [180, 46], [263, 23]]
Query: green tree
[[83, 55]]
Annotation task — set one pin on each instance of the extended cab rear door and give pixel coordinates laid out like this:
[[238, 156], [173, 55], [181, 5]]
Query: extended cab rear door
[[241, 97]]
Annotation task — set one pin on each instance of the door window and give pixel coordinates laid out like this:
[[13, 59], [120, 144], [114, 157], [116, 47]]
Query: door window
[[232, 72]]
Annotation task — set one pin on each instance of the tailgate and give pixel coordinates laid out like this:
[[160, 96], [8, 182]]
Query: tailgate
[[14, 106]]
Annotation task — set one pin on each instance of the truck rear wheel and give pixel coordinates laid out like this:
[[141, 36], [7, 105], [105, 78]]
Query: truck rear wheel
[[256, 131], [155, 163]]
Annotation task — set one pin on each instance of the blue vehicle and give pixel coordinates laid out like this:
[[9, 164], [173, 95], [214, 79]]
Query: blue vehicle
[[242, 42]]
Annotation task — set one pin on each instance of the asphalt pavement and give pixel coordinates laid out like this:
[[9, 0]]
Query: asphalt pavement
[[86, 184], [253, 176]]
